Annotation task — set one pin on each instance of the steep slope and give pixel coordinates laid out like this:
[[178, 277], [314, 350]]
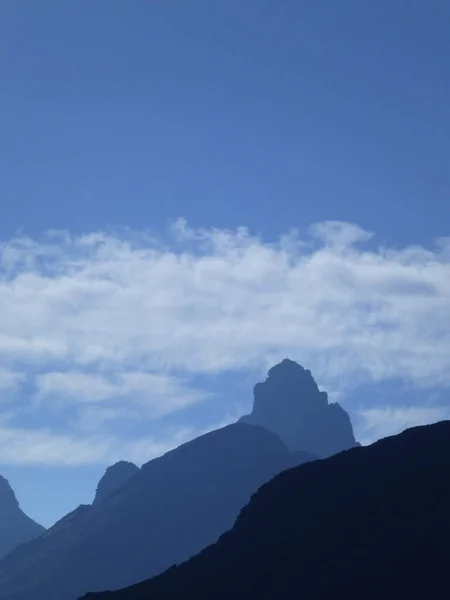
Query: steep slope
[[15, 527], [115, 476], [290, 404], [369, 523], [175, 506]]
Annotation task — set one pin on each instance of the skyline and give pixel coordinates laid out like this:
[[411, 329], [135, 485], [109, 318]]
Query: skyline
[[192, 192], [121, 347]]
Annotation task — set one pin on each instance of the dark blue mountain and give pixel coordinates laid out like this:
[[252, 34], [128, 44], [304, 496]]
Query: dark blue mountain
[[174, 507], [15, 527], [290, 404], [178, 504], [369, 523]]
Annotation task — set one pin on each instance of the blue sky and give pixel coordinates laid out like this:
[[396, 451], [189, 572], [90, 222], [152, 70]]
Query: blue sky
[[191, 191]]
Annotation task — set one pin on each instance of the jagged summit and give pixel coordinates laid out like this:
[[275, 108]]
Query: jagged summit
[[115, 476], [15, 527], [290, 366], [290, 404]]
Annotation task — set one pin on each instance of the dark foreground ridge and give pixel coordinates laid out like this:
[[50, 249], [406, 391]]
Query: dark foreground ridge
[[290, 404], [15, 527], [370, 523]]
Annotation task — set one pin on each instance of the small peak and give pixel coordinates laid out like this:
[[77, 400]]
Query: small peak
[[8, 498], [15, 527], [287, 365], [290, 371], [115, 476]]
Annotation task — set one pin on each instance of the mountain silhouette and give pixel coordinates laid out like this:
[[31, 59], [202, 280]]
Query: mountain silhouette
[[143, 521], [15, 527], [171, 509], [290, 404], [369, 523], [114, 477]]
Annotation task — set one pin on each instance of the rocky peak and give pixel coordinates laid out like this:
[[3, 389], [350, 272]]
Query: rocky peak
[[15, 527], [290, 404], [114, 477], [8, 500]]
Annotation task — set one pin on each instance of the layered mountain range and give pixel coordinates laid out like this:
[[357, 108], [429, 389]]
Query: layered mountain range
[[142, 521], [370, 523]]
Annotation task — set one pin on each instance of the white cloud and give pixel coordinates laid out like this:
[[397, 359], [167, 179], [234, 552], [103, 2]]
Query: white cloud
[[77, 386], [339, 234], [158, 394], [118, 321], [99, 401], [100, 299]]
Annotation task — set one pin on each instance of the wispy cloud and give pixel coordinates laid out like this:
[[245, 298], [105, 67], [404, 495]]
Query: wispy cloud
[[114, 321], [156, 395]]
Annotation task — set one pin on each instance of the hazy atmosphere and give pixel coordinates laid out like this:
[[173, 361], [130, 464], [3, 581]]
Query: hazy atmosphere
[[192, 191]]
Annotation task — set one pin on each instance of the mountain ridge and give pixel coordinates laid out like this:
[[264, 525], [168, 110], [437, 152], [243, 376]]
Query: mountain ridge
[[176, 504], [191, 510], [369, 522], [16, 527]]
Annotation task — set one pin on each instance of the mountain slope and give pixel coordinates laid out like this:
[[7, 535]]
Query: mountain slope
[[172, 508], [369, 523], [177, 504], [15, 526]]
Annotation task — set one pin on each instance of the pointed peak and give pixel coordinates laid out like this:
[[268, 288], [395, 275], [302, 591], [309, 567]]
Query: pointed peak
[[7, 496], [15, 526]]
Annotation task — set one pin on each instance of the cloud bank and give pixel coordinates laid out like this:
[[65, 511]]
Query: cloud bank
[[117, 325]]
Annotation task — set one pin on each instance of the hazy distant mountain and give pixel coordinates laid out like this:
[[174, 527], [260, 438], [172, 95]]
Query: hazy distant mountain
[[114, 477], [177, 504], [15, 527], [171, 509], [369, 523], [290, 404]]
